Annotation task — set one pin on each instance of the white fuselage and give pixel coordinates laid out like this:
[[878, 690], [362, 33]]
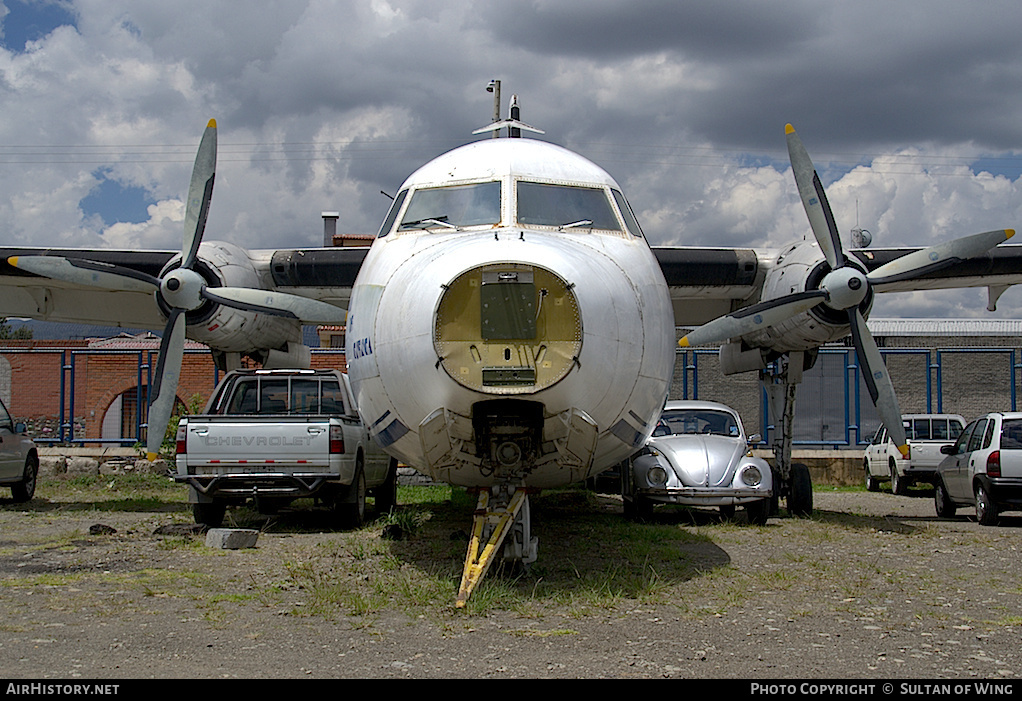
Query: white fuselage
[[567, 383]]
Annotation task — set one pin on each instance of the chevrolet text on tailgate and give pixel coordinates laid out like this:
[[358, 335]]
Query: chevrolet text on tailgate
[[273, 436]]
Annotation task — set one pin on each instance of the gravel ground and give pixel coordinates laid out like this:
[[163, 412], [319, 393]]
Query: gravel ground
[[874, 586]]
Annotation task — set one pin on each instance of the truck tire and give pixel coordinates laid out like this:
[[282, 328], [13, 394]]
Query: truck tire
[[210, 514], [872, 483], [386, 493], [899, 482], [350, 506]]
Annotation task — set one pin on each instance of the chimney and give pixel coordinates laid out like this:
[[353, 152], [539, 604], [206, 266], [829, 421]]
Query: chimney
[[329, 227]]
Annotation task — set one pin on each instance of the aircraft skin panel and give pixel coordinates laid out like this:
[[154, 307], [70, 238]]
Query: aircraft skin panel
[[604, 274]]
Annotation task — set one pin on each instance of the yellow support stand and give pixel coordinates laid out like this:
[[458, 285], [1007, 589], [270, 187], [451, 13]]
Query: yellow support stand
[[498, 524]]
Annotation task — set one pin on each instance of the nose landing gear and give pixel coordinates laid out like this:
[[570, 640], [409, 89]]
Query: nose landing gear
[[500, 512]]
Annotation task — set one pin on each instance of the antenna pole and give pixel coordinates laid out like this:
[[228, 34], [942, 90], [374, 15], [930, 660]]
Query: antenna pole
[[494, 87]]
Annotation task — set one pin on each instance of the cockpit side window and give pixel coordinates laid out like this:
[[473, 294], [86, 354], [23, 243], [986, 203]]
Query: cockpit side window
[[395, 207], [453, 207], [631, 223], [542, 204]]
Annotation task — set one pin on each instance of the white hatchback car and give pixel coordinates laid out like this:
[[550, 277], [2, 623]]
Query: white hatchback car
[[983, 468]]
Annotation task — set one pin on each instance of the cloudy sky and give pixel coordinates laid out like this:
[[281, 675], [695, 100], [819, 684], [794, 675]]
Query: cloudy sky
[[911, 110]]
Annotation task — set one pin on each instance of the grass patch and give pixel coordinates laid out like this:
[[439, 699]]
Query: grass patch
[[133, 492]]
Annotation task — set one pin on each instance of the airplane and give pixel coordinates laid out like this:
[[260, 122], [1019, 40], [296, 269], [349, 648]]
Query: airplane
[[510, 329]]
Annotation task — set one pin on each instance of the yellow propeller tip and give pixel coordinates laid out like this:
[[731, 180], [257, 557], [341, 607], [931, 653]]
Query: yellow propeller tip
[[13, 260], [904, 450], [683, 342], [211, 124], [788, 129], [1008, 233]]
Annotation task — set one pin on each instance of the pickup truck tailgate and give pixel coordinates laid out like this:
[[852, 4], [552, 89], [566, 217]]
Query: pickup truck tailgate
[[927, 454], [288, 440]]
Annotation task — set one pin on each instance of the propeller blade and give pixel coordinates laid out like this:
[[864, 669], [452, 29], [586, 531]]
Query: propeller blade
[[91, 273], [164, 389], [200, 192], [939, 256], [878, 380], [309, 311], [814, 199], [754, 318]]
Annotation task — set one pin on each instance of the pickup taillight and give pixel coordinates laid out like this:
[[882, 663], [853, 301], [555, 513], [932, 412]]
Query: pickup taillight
[[994, 464], [336, 439], [181, 441]]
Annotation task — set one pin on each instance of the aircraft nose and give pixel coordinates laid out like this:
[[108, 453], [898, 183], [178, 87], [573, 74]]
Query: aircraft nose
[[508, 329]]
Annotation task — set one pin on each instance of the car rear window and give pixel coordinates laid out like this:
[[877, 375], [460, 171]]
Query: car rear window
[[1011, 434]]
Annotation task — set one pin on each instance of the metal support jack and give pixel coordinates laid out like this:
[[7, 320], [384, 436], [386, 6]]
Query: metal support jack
[[781, 385], [490, 527]]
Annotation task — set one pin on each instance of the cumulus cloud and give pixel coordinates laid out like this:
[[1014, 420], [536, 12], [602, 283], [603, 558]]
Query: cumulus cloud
[[324, 103]]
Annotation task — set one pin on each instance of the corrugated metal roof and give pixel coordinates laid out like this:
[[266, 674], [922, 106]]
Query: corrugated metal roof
[[142, 341], [945, 327]]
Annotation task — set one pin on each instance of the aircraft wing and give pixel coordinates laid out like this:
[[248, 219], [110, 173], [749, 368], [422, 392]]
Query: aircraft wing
[[706, 283], [326, 274], [24, 295]]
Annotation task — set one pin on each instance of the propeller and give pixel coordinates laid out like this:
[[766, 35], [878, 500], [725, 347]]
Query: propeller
[[844, 287], [182, 289]]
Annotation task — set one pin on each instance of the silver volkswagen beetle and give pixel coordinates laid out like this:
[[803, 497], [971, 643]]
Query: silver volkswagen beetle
[[698, 456]]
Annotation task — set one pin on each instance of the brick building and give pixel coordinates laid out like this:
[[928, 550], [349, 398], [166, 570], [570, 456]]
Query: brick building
[[98, 388], [966, 367]]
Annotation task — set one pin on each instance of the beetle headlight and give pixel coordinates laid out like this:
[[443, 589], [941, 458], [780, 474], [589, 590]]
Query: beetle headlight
[[657, 476], [751, 476]]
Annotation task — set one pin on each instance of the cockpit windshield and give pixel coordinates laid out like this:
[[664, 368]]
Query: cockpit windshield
[[453, 207], [564, 206]]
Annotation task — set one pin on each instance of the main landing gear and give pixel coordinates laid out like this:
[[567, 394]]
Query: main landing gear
[[792, 480]]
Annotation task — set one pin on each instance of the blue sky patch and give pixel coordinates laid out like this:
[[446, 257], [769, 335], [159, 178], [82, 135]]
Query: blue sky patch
[[1009, 166], [29, 20], [115, 203]]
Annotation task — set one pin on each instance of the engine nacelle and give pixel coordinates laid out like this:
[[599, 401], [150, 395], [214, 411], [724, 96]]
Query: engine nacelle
[[228, 330], [799, 268]]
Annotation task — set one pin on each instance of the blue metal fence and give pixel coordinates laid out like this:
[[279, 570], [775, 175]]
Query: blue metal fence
[[833, 408]]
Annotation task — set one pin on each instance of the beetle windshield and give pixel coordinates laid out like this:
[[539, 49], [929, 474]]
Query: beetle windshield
[[688, 421], [453, 207], [565, 206]]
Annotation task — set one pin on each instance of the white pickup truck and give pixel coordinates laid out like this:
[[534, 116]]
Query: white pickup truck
[[926, 434], [278, 435]]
